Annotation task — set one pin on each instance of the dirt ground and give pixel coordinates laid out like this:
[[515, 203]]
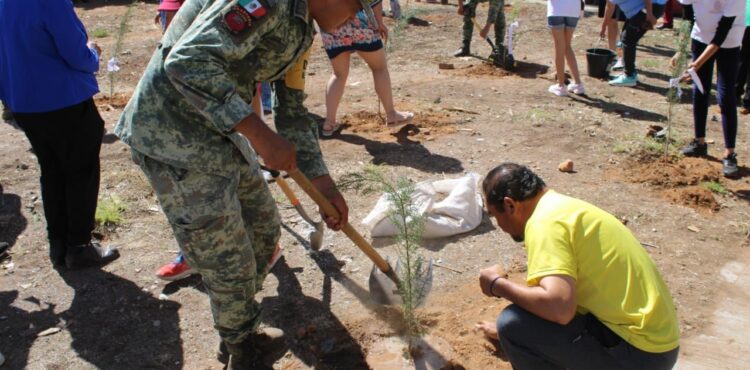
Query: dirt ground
[[468, 119]]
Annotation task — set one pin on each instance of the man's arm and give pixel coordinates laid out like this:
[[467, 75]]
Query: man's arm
[[553, 299], [69, 36], [295, 124]]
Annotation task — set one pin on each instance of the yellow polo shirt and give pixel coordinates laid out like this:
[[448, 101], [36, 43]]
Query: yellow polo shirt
[[616, 280]]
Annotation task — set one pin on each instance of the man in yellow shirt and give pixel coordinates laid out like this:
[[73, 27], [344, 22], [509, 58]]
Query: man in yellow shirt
[[594, 298]]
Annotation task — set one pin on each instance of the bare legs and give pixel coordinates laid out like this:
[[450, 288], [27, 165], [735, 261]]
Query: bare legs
[[335, 90], [564, 52]]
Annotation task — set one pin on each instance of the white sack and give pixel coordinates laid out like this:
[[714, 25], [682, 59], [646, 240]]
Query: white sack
[[459, 212]]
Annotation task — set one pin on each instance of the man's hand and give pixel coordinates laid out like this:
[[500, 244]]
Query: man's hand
[[488, 276], [277, 153], [485, 31], [460, 7], [94, 46], [651, 19], [327, 187]]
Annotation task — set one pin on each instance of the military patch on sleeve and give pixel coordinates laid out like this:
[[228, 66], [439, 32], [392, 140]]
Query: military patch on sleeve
[[237, 20], [255, 8]]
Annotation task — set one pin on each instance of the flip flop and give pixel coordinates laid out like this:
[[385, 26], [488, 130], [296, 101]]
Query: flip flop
[[329, 133], [409, 117]]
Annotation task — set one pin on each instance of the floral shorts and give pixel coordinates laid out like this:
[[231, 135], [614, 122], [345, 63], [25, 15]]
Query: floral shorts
[[355, 34]]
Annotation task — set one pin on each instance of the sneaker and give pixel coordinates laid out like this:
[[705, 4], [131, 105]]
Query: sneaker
[[665, 26], [558, 90], [619, 65], [274, 258], [176, 270], [695, 149], [89, 255], [624, 80], [729, 166], [576, 89]]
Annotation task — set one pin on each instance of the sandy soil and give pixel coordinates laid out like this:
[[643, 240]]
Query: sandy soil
[[468, 119]]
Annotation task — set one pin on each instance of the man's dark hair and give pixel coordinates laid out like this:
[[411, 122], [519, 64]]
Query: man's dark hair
[[513, 181]]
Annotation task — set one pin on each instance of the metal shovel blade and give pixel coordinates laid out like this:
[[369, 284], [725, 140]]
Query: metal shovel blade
[[384, 291]]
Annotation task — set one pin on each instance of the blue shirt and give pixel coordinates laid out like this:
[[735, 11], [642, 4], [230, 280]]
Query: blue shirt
[[632, 7], [45, 64]]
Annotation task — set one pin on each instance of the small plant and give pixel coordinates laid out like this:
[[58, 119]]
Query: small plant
[[410, 224], [716, 187], [100, 33], [620, 148], [678, 68], [109, 211], [112, 66]]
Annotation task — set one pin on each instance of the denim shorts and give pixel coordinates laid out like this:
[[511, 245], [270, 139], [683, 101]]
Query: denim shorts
[[557, 22]]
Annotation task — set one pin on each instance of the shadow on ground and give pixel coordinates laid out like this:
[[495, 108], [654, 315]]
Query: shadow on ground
[[12, 221], [623, 110]]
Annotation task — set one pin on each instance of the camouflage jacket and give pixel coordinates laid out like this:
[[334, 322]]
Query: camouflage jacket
[[195, 89], [495, 7]]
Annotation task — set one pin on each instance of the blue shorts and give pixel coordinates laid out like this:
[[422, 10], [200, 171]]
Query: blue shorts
[[557, 22]]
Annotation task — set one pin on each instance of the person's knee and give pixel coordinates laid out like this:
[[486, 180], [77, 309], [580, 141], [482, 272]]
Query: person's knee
[[509, 323]]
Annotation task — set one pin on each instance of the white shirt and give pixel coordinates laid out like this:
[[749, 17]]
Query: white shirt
[[707, 16], [564, 8]]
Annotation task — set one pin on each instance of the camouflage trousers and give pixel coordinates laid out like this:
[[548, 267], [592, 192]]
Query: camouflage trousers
[[228, 228], [470, 11]]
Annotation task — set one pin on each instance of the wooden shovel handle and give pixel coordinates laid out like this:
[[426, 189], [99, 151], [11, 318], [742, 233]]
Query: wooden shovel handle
[[287, 190], [329, 209]]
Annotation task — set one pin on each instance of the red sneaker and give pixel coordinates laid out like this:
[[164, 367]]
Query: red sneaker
[[176, 270], [274, 258]]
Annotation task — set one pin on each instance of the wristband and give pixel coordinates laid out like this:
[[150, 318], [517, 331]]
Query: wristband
[[492, 286]]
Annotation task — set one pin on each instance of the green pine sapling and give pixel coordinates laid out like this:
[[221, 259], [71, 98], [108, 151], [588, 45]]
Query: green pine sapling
[[410, 225], [679, 65]]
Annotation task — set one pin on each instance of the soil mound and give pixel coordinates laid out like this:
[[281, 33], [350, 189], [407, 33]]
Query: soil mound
[[423, 125], [678, 179], [116, 101]]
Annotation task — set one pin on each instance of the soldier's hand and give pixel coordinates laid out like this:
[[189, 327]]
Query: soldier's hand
[[460, 7], [327, 187], [485, 31], [277, 153]]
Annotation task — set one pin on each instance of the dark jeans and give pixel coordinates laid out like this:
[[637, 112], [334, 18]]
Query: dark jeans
[[743, 78], [66, 143], [632, 32], [532, 343], [727, 63]]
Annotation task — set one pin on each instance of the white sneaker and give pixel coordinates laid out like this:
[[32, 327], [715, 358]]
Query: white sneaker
[[576, 89], [558, 90]]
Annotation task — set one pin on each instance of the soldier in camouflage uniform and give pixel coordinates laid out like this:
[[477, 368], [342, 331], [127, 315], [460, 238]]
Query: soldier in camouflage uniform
[[188, 125], [495, 16]]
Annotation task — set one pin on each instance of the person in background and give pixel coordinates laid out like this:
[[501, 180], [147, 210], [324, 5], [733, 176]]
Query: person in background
[[47, 80], [562, 18], [668, 22], [640, 18], [166, 12], [593, 298], [495, 17], [743, 77], [716, 38], [364, 35]]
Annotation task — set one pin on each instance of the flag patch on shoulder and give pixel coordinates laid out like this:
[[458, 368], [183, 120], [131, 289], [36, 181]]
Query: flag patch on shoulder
[[254, 7]]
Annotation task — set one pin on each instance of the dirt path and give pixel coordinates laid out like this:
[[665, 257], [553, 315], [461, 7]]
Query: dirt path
[[469, 119]]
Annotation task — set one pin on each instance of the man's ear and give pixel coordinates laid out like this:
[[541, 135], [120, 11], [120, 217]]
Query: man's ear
[[509, 204]]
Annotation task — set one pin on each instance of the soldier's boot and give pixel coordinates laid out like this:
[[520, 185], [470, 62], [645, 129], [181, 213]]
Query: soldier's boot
[[464, 50], [249, 353]]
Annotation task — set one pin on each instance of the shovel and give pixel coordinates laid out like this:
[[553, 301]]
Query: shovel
[[384, 281], [504, 61], [316, 237]]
